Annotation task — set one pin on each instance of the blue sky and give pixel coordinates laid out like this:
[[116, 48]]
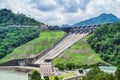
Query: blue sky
[[58, 12]]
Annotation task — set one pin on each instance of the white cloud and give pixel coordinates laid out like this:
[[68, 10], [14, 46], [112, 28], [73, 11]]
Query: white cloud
[[57, 12]]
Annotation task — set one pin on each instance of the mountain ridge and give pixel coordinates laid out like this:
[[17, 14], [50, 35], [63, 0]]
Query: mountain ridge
[[101, 19], [7, 17], [64, 25]]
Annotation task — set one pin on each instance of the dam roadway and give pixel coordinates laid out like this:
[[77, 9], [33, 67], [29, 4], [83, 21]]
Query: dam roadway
[[60, 47]]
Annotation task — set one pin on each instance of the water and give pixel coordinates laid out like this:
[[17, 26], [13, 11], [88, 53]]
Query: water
[[5, 75]]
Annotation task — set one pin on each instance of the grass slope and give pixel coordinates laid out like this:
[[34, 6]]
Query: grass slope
[[30, 49], [79, 54]]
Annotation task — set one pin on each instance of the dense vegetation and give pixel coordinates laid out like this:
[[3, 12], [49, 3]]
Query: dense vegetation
[[53, 28], [35, 46], [35, 75], [78, 55], [9, 18], [96, 74], [53, 78], [10, 38], [105, 41]]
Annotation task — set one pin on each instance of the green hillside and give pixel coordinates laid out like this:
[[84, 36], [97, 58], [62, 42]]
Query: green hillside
[[79, 54], [10, 38], [33, 47], [106, 41], [7, 17]]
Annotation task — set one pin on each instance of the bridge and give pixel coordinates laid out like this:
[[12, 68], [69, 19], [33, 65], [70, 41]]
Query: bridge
[[82, 29]]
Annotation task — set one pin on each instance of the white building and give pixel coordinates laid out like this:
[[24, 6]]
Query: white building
[[108, 69]]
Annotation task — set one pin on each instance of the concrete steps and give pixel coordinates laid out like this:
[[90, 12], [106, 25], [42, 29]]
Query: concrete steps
[[62, 45]]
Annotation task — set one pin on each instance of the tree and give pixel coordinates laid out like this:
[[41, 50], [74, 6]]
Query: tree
[[60, 66], [90, 75], [70, 66], [47, 78], [10, 38], [106, 40], [110, 77], [117, 73], [96, 74], [56, 78], [35, 75], [81, 71], [7, 17], [99, 76], [103, 76]]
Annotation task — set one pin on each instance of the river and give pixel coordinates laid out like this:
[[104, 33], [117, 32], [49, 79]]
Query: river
[[7, 75]]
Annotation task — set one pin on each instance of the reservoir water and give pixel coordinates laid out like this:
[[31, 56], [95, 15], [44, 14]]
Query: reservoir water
[[6, 75]]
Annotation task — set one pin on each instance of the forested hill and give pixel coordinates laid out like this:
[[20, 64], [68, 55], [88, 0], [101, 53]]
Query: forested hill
[[7, 17], [12, 37], [106, 41], [101, 19]]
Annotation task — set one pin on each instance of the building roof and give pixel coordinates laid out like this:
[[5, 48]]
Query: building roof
[[108, 69]]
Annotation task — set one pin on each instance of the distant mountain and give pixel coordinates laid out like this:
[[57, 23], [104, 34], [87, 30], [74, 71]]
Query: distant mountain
[[64, 25], [103, 18], [7, 17], [119, 19]]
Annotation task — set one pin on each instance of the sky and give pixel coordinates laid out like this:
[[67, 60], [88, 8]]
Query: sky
[[58, 12]]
